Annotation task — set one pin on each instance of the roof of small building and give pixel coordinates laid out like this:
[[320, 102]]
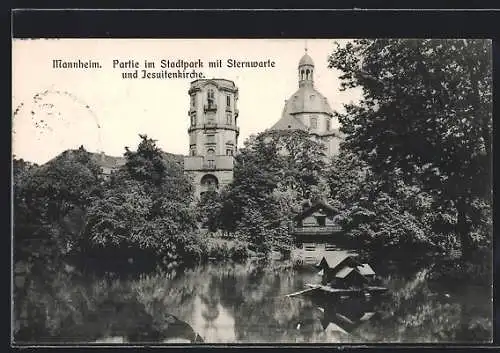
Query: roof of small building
[[315, 207], [366, 270], [343, 273], [335, 258]]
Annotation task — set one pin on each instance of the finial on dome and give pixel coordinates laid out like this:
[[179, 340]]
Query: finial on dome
[[305, 46]]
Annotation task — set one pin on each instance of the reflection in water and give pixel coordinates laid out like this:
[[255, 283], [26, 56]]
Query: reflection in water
[[345, 316], [218, 328], [244, 303]]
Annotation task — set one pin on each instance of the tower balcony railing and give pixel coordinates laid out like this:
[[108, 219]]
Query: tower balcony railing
[[213, 125], [210, 107]]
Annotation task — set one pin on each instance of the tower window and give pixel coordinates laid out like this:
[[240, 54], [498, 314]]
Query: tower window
[[193, 120], [229, 119], [228, 101], [210, 152], [193, 151], [307, 74], [229, 152], [314, 123], [328, 125], [193, 100], [210, 138], [210, 97]]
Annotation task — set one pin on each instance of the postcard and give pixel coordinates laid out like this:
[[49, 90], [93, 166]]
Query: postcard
[[236, 191]]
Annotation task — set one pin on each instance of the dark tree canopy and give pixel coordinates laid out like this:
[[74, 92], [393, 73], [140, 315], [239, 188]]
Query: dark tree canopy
[[425, 116]]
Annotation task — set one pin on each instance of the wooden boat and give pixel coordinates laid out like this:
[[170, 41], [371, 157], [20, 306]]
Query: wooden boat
[[368, 290], [339, 292]]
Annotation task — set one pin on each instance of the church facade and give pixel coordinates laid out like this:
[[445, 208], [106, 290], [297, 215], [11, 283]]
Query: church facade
[[307, 109], [213, 133]]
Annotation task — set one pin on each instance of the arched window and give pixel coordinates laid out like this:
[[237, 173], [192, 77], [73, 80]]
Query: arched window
[[328, 125], [210, 152], [301, 74], [193, 120], [229, 119], [307, 74]]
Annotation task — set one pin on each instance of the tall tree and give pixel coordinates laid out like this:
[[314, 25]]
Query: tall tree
[[425, 114], [50, 200], [146, 205], [273, 173]]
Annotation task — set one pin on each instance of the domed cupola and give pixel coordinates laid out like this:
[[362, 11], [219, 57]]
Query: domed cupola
[[308, 110], [306, 70]]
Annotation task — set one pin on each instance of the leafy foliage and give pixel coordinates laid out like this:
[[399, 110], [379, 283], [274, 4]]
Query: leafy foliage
[[49, 200], [425, 117], [210, 210], [272, 174], [373, 215], [146, 206]]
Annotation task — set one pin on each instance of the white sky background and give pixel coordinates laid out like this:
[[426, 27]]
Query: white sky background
[[103, 112]]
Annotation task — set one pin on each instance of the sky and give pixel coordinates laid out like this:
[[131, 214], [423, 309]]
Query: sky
[[59, 109]]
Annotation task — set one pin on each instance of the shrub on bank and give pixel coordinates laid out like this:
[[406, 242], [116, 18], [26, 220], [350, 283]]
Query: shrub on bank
[[226, 249]]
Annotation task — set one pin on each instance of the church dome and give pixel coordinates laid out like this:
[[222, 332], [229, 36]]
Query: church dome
[[307, 100], [306, 60]]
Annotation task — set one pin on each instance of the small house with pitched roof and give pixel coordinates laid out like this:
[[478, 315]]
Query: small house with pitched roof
[[316, 228]]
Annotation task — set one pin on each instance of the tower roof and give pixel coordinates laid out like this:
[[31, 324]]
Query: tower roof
[[305, 100], [306, 60]]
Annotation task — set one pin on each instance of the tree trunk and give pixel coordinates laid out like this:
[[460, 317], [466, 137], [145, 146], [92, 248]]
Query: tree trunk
[[463, 229]]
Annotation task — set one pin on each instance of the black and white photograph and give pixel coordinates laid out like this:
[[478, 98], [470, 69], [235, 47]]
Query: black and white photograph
[[252, 191]]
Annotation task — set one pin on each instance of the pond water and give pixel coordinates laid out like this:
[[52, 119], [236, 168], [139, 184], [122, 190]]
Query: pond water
[[246, 303]]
